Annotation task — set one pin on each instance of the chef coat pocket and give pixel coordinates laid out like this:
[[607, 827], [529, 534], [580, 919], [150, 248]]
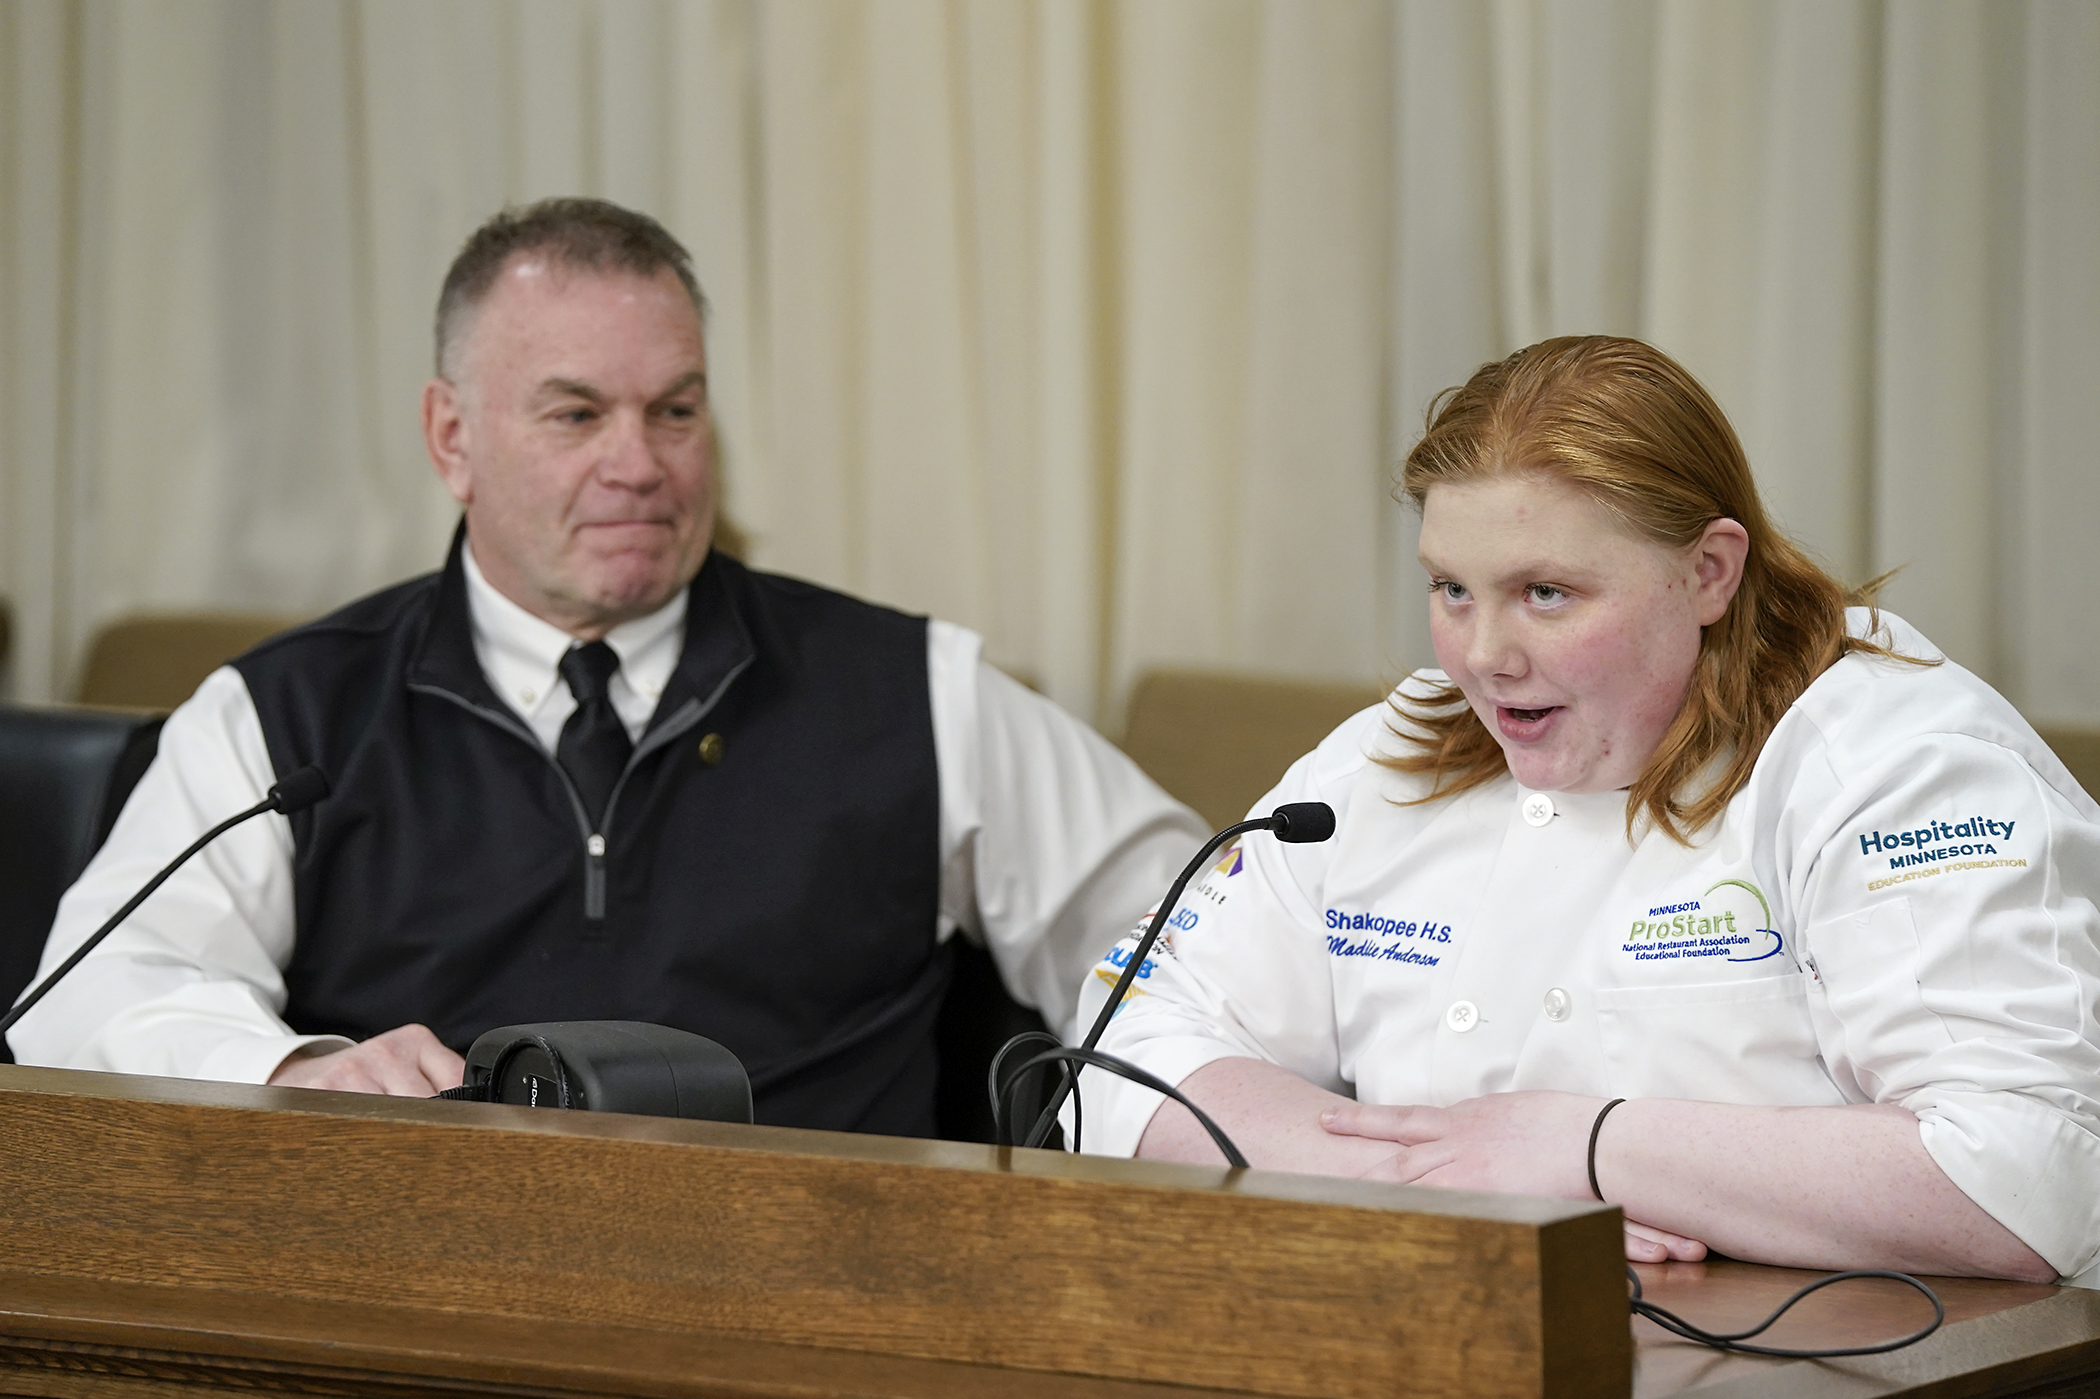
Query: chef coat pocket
[[1719, 1042]]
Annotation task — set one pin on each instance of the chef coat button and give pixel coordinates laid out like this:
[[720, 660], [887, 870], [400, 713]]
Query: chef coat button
[[1462, 1016], [1538, 808], [1558, 1005]]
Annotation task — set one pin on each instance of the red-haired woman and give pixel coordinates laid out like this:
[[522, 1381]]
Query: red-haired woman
[[1676, 826]]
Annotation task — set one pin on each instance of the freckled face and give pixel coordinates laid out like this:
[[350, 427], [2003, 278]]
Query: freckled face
[[1572, 637]]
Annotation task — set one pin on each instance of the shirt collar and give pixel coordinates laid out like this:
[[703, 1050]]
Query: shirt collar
[[521, 654]]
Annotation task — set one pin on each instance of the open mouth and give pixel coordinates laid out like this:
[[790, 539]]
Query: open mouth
[[1525, 725]]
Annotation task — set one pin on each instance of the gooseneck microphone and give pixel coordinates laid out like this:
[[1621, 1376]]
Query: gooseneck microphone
[[295, 792], [1293, 822]]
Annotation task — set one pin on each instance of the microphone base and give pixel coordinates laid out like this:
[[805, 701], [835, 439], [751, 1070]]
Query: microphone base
[[607, 1066]]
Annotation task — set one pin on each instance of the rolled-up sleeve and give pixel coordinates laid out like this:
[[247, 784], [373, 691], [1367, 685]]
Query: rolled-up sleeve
[[1964, 987]]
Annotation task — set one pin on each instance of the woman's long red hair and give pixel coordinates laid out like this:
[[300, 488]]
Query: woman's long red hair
[[1626, 425]]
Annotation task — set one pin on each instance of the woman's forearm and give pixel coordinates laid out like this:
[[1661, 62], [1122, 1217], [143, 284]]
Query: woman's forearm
[[1816, 1187], [1828, 1187], [1272, 1116]]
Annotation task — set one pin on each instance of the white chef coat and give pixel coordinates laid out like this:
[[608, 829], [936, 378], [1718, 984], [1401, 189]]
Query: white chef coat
[[1050, 842], [1898, 908]]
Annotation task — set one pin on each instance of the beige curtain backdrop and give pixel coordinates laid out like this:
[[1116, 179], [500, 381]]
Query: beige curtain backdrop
[[1098, 325]]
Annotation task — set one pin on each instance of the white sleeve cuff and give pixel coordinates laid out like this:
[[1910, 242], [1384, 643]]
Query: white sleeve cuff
[[253, 1058], [2027, 1166]]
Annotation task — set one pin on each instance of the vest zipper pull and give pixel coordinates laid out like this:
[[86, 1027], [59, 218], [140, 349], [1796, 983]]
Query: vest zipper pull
[[594, 878]]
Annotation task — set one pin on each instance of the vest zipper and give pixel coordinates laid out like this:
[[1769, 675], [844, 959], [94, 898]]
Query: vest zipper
[[593, 841], [594, 845]]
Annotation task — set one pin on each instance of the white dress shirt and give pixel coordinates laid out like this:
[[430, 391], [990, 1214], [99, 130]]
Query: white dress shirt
[[1898, 908], [1051, 842]]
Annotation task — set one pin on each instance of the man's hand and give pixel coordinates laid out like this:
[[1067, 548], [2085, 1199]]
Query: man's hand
[[1533, 1143], [407, 1062]]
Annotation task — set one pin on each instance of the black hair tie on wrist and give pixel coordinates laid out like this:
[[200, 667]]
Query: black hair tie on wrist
[[1595, 1128]]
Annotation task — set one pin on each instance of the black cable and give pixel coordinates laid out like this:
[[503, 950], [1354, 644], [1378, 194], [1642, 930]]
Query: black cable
[[1670, 1321], [1094, 1058], [998, 1088], [1002, 1090]]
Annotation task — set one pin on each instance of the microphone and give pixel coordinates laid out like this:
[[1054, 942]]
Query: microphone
[[607, 1066], [1302, 823], [1296, 823], [309, 784], [296, 792]]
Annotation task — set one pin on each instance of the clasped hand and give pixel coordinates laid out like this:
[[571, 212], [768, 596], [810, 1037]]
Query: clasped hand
[[1534, 1143]]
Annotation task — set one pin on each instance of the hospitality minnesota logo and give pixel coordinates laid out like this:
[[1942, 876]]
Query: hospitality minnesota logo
[[1730, 921]]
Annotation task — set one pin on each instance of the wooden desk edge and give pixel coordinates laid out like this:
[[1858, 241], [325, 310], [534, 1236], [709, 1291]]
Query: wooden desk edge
[[101, 1137], [909, 1151]]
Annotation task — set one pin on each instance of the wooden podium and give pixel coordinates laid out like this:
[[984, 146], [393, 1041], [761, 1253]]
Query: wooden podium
[[166, 1238]]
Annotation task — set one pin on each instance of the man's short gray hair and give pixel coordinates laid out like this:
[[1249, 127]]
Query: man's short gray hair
[[587, 235]]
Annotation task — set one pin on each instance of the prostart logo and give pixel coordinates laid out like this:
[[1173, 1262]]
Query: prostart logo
[[1730, 921]]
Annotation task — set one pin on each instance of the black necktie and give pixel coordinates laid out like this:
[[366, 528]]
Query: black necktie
[[594, 745]]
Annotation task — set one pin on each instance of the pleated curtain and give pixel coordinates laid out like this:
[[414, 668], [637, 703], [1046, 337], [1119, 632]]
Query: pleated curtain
[[1097, 325]]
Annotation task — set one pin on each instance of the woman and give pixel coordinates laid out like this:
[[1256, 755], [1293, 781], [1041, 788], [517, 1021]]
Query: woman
[[1673, 826]]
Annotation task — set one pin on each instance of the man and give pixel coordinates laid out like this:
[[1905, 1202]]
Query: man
[[594, 770]]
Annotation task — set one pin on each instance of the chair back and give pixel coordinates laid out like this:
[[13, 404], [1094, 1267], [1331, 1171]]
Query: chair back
[[2078, 750], [1218, 740], [64, 776], [156, 660]]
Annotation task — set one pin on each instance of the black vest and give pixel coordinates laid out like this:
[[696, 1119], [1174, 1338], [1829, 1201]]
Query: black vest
[[780, 900]]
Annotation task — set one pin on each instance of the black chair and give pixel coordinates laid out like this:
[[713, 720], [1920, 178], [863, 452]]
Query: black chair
[[64, 775], [977, 1017]]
